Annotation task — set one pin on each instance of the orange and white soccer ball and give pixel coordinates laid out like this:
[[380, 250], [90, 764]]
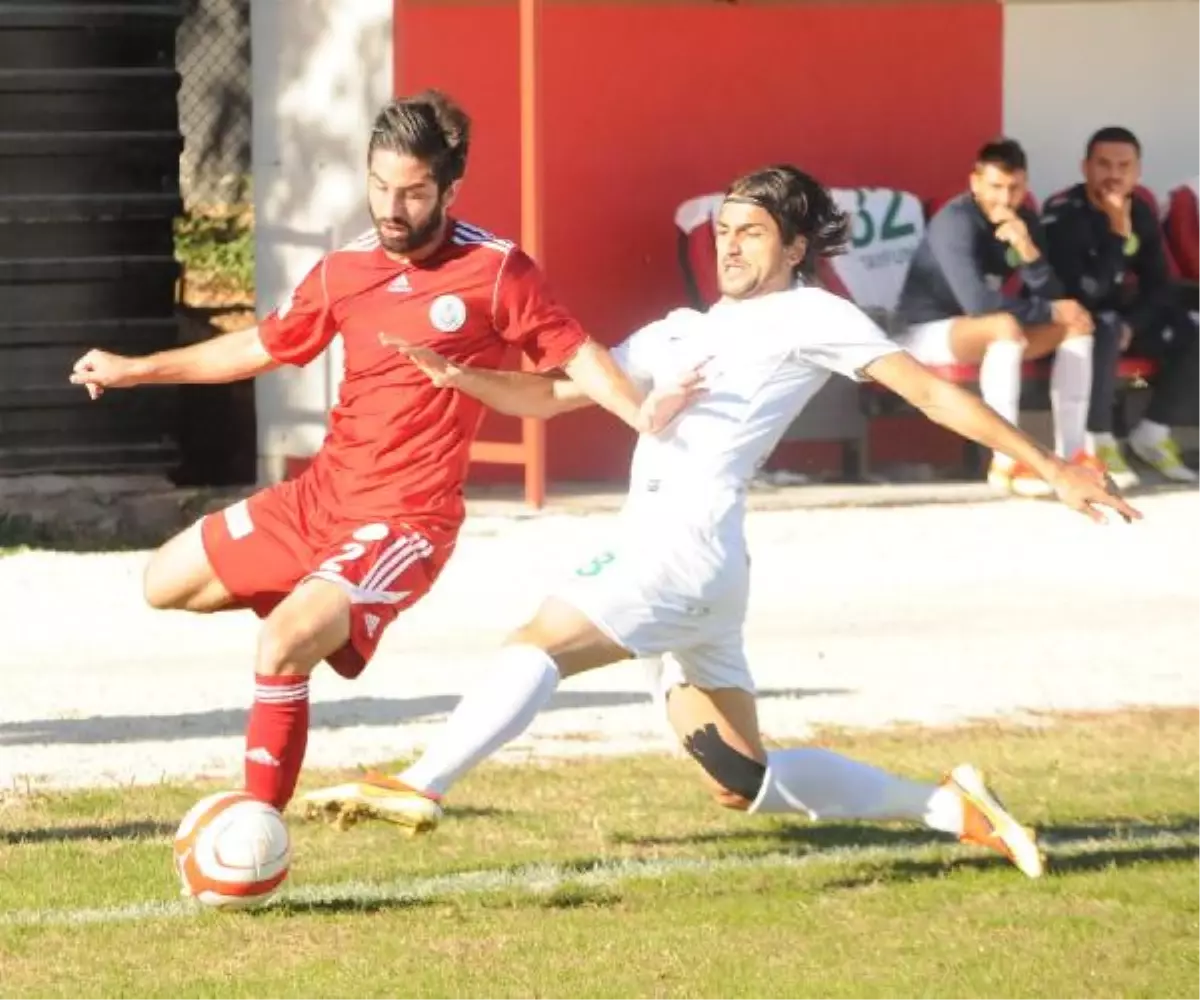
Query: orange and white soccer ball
[[232, 851]]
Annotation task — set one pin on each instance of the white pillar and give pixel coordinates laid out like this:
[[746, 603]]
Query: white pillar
[[1071, 68], [321, 69]]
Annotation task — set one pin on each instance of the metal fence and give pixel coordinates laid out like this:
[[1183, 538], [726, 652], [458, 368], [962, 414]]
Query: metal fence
[[214, 103]]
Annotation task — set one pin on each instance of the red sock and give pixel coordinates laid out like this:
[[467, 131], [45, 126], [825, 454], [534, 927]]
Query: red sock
[[276, 737]]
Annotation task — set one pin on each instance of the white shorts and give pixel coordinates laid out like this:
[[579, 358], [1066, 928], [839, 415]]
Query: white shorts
[[929, 343], [681, 606]]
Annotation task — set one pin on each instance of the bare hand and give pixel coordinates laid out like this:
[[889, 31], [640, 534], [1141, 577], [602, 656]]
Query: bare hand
[[666, 402], [442, 371], [1069, 313], [1119, 210], [1086, 491], [99, 370], [1013, 231]]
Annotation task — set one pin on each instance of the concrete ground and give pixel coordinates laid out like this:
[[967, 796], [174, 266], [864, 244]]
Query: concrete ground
[[929, 603]]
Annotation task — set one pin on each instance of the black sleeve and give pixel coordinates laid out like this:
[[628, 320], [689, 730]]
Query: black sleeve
[[1063, 249], [1150, 266], [1039, 276], [952, 241], [1151, 263]]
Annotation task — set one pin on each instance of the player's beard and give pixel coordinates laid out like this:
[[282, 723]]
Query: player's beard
[[413, 238], [741, 283]]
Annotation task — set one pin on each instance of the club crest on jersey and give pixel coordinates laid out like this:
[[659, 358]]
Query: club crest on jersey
[[448, 313]]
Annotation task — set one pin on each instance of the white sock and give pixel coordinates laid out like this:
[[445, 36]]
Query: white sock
[[520, 684], [826, 785], [1149, 432], [1000, 381], [1070, 389]]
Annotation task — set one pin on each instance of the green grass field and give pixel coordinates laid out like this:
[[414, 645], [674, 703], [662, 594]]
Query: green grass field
[[617, 878]]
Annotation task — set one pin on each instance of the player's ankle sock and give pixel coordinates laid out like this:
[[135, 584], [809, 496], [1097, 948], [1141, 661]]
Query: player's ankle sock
[[826, 785], [521, 682], [1070, 388], [276, 737], [1000, 378]]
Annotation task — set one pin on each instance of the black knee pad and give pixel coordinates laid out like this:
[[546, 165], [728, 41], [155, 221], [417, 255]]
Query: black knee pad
[[734, 771]]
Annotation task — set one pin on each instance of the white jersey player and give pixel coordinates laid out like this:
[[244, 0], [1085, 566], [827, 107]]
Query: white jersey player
[[674, 581]]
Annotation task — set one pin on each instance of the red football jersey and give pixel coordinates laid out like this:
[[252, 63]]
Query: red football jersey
[[397, 444]]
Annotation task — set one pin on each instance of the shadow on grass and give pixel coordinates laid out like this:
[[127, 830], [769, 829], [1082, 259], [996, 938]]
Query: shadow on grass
[[562, 898], [347, 712], [772, 839], [154, 830], [1102, 858], [1084, 846], [343, 904], [1096, 845], [137, 830]]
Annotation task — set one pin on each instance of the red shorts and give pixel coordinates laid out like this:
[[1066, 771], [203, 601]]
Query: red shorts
[[261, 548]]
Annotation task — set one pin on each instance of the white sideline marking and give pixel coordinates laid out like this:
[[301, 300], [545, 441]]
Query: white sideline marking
[[543, 879]]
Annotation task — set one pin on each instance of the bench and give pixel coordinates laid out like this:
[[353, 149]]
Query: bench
[[876, 401], [887, 227]]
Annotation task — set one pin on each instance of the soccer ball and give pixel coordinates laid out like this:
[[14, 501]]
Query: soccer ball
[[232, 851]]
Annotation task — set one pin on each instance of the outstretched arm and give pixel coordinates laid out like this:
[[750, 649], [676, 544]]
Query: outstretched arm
[[226, 358], [593, 370], [958, 410], [526, 394]]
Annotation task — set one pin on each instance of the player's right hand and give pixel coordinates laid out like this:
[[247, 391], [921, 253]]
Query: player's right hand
[[664, 403], [1119, 210], [99, 370], [1012, 230]]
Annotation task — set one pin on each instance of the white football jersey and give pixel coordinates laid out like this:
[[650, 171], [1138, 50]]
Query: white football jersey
[[676, 577], [769, 357]]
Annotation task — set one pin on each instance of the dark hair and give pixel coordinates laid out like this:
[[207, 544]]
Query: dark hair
[[800, 206], [1113, 133], [428, 126], [1006, 154]]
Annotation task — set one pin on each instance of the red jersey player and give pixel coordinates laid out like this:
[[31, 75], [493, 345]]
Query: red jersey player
[[329, 559]]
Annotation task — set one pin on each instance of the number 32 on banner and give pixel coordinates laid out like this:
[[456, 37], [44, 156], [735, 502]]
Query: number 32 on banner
[[863, 229]]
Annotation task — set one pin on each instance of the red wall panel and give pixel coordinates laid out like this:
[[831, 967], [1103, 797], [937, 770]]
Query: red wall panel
[[647, 104]]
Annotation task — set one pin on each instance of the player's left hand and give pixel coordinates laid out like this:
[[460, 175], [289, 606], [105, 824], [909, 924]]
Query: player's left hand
[[441, 371], [1087, 491], [664, 403]]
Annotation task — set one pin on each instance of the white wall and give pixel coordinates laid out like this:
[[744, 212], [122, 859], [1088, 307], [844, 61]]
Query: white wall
[[1070, 68], [321, 69]]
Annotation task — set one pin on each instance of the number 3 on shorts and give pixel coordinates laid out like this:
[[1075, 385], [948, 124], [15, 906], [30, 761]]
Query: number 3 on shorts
[[596, 565]]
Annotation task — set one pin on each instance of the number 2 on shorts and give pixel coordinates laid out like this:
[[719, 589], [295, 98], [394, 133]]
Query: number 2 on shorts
[[350, 552]]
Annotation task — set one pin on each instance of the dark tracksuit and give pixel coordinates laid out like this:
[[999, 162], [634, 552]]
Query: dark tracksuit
[[1125, 282], [961, 269]]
